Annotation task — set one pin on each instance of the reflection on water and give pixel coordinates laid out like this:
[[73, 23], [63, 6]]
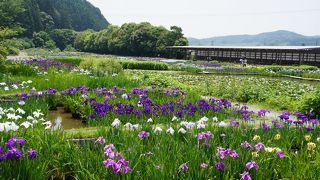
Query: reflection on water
[[57, 123], [61, 119]]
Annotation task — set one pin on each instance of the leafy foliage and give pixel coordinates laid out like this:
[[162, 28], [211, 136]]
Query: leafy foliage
[[61, 38], [145, 65], [73, 60], [311, 102], [45, 15], [101, 67], [141, 39], [9, 10]]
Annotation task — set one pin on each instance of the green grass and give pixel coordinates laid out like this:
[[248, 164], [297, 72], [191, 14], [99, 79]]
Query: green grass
[[74, 60], [143, 65], [60, 158]]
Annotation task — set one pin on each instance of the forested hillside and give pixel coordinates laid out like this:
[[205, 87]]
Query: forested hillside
[[77, 25], [44, 15]]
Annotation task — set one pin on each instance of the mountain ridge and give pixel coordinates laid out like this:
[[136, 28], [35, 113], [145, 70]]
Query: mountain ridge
[[274, 38]]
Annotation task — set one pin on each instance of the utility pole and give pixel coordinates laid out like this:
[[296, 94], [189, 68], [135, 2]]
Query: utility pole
[[212, 43]]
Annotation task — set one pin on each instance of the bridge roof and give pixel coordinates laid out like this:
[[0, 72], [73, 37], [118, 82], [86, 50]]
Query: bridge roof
[[248, 47]]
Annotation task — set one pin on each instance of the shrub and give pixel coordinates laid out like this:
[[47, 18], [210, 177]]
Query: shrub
[[70, 48], [311, 75], [74, 60], [19, 69], [2, 67], [277, 68], [311, 102], [144, 65], [188, 69], [87, 64], [101, 67]]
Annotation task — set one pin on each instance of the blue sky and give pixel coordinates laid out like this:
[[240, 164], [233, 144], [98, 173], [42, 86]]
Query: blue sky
[[208, 18]]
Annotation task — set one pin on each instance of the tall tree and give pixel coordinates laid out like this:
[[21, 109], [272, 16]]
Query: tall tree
[[63, 37], [9, 11]]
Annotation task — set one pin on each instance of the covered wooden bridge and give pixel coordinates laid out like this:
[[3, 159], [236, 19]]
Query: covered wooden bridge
[[255, 54]]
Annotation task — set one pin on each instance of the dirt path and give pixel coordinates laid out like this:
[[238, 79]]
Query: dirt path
[[21, 56]]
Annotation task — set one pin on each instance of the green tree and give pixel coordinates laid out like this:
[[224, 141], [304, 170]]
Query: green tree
[[47, 21], [9, 11], [40, 38], [50, 44], [63, 37], [138, 39], [181, 42], [83, 40]]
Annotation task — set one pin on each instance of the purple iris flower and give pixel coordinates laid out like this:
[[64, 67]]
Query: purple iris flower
[[123, 162], [116, 161], [219, 166], [246, 117], [12, 142], [222, 152], [116, 168], [143, 134], [279, 125], [245, 176], [184, 167], [252, 164], [108, 151], [245, 144], [107, 163], [32, 153], [289, 121], [13, 153], [204, 165], [260, 146], [204, 135], [280, 154], [101, 140], [22, 96], [314, 121], [263, 112], [126, 170], [310, 114], [234, 123], [309, 129], [265, 126], [52, 91], [285, 115], [2, 157], [298, 122]]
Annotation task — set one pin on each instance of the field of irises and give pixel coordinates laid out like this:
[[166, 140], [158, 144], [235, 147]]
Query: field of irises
[[154, 125]]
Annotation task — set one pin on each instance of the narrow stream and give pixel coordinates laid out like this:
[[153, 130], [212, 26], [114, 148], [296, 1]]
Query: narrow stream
[[64, 120]]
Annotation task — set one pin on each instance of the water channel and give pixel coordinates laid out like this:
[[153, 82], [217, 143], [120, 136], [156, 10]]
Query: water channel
[[64, 120]]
